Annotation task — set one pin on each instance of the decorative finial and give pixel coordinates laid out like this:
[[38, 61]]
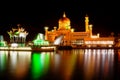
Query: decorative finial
[[64, 15], [86, 15], [18, 25]]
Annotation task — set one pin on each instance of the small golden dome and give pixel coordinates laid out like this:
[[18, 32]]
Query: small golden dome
[[64, 19]]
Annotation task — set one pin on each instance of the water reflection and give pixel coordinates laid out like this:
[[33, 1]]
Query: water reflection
[[17, 63], [3, 60], [98, 63], [66, 64], [40, 64], [82, 64]]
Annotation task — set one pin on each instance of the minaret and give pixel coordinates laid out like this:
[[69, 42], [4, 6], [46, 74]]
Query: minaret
[[86, 23], [90, 29], [46, 32]]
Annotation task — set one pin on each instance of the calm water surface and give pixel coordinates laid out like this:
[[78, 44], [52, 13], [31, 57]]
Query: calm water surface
[[79, 64]]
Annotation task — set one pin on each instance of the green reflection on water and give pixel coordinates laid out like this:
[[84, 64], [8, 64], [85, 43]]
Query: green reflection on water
[[40, 65], [2, 60]]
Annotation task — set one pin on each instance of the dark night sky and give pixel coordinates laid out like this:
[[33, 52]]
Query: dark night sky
[[34, 15]]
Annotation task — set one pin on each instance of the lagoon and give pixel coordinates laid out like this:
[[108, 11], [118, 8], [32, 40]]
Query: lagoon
[[75, 64]]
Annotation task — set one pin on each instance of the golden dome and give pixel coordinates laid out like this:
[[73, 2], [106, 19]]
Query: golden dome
[[64, 19]]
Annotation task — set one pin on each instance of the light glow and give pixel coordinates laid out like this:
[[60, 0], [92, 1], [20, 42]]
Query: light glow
[[14, 45], [99, 42]]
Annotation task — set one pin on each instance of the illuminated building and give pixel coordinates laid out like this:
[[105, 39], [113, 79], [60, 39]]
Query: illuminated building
[[2, 42], [84, 38], [17, 36], [39, 41]]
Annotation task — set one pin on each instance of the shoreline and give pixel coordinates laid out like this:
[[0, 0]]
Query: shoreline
[[49, 49], [26, 49], [70, 47]]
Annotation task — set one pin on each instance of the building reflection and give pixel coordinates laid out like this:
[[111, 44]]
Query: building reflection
[[19, 63], [60, 65], [40, 64], [85, 64], [67, 63], [98, 63], [118, 55]]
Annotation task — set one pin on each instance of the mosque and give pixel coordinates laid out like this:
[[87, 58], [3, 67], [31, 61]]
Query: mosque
[[73, 38]]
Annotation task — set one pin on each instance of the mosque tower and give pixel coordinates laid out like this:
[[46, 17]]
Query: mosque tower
[[86, 23]]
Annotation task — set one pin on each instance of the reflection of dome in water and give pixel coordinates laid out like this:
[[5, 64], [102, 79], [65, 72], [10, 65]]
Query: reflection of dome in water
[[64, 19]]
